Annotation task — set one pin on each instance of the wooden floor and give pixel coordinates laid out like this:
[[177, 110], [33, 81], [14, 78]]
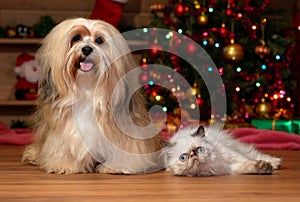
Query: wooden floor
[[27, 183]]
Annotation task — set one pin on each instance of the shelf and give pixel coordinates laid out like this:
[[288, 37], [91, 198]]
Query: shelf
[[39, 41], [135, 44], [21, 40], [17, 102]]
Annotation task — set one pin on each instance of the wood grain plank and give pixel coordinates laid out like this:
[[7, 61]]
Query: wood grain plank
[[27, 183]]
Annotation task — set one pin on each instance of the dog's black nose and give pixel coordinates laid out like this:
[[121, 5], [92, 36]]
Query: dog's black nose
[[86, 50]]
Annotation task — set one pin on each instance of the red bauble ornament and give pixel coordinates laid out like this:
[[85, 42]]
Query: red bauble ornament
[[186, 9], [200, 102], [223, 30], [175, 60], [262, 51], [191, 48], [179, 10], [155, 50], [157, 7], [229, 12]]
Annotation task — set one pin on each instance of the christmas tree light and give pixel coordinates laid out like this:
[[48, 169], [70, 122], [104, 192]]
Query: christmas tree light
[[253, 53]]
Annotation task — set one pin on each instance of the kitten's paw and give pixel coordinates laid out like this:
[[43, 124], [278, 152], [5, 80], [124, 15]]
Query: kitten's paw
[[103, 169], [263, 167], [276, 162]]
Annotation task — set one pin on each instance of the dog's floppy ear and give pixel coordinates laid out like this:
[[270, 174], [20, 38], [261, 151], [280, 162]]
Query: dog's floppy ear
[[46, 87], [51, 55]]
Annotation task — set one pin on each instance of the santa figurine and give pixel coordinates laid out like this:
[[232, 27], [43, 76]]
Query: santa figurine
[[26, 71], [108, 10]]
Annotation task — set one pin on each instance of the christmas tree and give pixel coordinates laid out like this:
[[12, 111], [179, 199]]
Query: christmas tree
[[252, 47]]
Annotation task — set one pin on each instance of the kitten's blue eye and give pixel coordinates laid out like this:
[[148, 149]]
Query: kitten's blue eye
[[200, 150], [183, 157]]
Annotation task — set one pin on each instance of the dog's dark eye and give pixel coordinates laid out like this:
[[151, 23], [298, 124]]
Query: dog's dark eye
[[76, 38], [99, 40]]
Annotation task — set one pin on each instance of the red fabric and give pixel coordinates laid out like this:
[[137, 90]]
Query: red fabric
[[15, 136], [107, 10], [23, 57], [267, 139], [261, 139]]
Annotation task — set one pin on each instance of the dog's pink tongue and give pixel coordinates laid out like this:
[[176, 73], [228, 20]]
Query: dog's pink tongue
[[86, 66]]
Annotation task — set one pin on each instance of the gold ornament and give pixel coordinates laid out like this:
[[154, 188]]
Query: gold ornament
[[197, 4], [283, 113], [264, 109], [211, 41], [233, 52], [11, 32], [202, 19]]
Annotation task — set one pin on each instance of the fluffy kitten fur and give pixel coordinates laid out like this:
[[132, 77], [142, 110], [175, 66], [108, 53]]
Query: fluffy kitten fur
[[194, 152]]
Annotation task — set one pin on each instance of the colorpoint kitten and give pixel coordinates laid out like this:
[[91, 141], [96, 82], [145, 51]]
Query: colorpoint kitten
[[194, 152]]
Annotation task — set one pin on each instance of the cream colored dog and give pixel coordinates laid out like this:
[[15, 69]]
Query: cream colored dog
[[82, 91]]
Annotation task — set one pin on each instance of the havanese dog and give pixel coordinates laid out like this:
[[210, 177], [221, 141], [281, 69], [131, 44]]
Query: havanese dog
[[90, 116]]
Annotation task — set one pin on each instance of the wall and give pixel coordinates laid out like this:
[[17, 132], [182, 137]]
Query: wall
[[14, 12], [28, 12]]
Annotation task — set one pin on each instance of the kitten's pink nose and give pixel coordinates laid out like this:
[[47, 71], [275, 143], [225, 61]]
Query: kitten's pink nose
[[193, 153]]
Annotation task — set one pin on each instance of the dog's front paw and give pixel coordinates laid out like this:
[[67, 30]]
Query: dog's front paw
[[104, 169], [31, 154], [64, 167]]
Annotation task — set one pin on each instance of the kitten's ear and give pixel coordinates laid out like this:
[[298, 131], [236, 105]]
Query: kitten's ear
[[166, 144], [200, 132]]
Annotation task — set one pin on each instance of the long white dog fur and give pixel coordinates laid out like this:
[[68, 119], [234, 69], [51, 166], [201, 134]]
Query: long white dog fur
[[81, 62]]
